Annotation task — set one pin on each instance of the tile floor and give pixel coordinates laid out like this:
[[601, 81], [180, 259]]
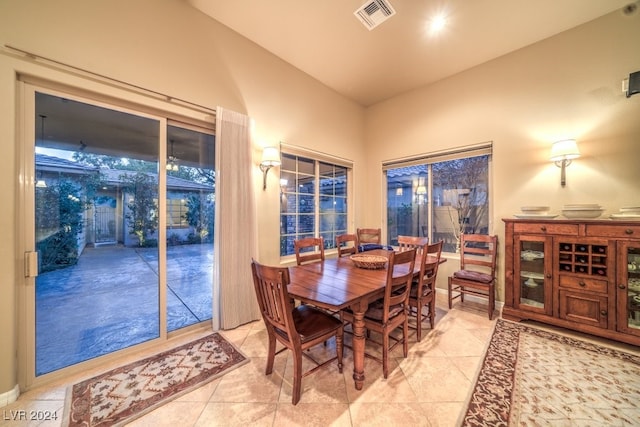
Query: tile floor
[[428, 388]]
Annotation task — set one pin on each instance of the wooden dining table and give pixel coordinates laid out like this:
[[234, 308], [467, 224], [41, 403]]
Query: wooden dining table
[[335, 284]]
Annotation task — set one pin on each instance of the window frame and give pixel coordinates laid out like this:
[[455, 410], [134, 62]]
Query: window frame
[[317, 158], [427, 160]]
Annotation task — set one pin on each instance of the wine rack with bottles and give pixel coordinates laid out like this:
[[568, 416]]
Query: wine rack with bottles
[[583, 258]]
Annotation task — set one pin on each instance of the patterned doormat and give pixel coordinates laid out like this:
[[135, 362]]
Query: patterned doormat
[[535, 377], [128, 392]]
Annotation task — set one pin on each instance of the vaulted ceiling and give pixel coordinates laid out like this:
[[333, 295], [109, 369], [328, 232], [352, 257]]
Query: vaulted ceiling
[[326, 40]]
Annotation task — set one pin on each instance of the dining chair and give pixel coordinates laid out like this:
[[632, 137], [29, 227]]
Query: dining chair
[[477, 274], [423, 288], [309, 249], [390, 312], [347, 244], [411, 242], [296, 328], [369, 235]]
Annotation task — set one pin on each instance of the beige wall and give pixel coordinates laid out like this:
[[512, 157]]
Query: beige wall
[[566, 86], [171, 48]]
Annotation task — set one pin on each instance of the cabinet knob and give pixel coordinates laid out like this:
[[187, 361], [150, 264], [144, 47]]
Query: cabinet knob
[[603, 312], [582, 283], [549, 276], [622, 286], [543, 228], [628, 231]]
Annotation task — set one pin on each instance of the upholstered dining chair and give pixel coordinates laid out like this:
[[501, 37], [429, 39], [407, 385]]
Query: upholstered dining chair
[[296, 328], [477, 274], [423, 288], [390, 312], [309, 249], [347, 244]]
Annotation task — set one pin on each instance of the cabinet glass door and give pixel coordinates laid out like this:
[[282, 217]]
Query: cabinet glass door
[[531, 279], [630, 267]]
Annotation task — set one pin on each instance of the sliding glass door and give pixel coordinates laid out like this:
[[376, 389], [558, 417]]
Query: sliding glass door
[[124, 238], [190, 207], [95, 226]]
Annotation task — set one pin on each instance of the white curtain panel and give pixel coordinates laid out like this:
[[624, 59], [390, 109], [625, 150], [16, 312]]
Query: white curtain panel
[[234, 300]]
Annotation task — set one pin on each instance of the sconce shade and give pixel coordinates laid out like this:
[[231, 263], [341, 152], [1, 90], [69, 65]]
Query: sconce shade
[[421, 190], [270, 157], [564, 150]]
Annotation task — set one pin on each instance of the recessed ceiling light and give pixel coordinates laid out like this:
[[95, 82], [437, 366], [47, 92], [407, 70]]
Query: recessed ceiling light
[[437, 23]]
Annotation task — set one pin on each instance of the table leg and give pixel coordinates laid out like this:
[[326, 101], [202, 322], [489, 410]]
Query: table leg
[[358, 343]]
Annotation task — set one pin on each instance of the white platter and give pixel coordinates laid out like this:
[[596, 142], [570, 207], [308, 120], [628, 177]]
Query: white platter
[[531, 255], [627, 217], [532, 275], [532, 216], [536, 208]]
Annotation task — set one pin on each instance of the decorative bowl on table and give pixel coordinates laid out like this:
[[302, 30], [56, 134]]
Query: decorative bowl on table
[[370, 262], [582, 211], [628, 213], [630, 210], [535, 212]]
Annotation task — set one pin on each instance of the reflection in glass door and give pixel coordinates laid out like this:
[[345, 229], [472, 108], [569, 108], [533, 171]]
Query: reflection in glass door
[[632, 276], [96, 231], [190, 213]]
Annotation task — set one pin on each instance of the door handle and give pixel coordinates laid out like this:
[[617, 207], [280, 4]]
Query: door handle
[[31, 264]]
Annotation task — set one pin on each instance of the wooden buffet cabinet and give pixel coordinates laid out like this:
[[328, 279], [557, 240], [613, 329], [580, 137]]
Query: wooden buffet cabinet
[[578, 274]]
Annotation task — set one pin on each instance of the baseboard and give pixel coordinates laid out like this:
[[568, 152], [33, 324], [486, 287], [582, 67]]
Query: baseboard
[[9, 396]]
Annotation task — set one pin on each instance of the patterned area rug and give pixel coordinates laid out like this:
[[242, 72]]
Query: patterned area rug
[[538, 378], [128, 392]]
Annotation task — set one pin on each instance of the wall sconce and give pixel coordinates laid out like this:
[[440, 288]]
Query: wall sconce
[[270, 158], [421, 192], [562, 152]]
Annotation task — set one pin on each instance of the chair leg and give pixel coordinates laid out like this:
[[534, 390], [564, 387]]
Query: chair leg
[[405, 336], [385, 353], [297, 377], [449, 292], [492, 302], [419, 320], [271, 354], [340, 348], [432, 311]]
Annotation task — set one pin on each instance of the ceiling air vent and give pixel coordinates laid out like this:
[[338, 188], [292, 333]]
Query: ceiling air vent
[[374, 13]]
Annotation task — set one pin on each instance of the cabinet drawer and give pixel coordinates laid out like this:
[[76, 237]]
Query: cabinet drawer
[[624, 231], [586, 284], [546, 228]]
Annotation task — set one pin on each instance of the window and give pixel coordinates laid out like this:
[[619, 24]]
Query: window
[[313, 200], [439, 195], [177, 213]]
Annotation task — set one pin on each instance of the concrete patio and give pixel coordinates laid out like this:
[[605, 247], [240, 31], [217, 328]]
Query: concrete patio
[[110, 301]]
